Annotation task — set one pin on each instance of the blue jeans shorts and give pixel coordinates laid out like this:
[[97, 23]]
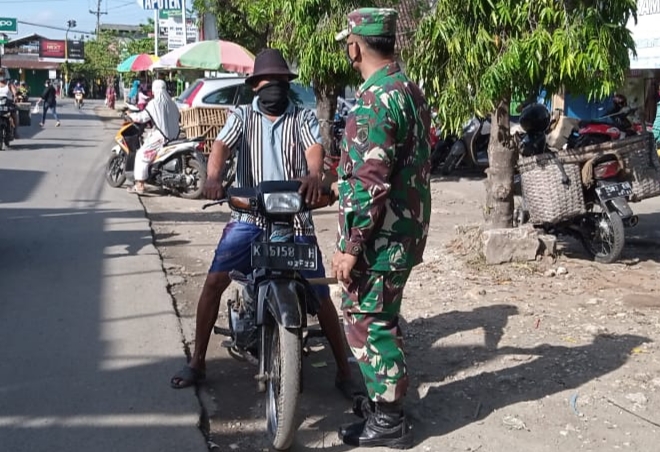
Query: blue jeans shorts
[[233, 253]]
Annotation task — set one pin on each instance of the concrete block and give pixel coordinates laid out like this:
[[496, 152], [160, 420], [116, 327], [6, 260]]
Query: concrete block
[[548, 245], [511, 244]]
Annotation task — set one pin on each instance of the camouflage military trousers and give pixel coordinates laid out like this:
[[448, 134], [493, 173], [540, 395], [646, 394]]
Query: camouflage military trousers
[[371, 304]]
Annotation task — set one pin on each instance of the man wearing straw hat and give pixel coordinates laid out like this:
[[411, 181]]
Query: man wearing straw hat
[[274, 140]]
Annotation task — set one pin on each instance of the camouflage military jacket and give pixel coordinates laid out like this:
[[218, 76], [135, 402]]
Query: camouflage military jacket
[[384, 174]]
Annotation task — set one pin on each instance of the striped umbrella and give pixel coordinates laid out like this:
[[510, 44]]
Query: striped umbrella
[[137, 63], [209, 55]]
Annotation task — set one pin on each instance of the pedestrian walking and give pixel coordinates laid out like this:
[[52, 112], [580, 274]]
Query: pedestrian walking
[[384, 212], [49, 98]]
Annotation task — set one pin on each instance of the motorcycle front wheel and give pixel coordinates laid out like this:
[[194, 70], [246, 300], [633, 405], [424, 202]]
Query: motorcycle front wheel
[[283, 367], [603, 236], [114, 170], [196, 171]]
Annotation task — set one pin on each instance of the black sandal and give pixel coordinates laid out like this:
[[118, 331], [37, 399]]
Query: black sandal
[[187, 377]]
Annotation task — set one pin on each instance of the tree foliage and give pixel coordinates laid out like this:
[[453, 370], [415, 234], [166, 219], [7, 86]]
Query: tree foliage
[[474, 53], [245, 22]]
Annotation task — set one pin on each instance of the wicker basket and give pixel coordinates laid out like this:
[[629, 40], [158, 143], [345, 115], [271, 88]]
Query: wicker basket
[[203, 122], [639, 157], [547, 198], [643, 168]]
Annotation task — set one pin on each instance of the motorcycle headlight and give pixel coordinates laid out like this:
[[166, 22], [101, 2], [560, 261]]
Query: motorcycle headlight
[[282, 202]]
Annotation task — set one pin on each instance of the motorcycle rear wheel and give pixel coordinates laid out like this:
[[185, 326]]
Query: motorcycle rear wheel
[[114, 170], [607, 237], [198, 171], [283, 367]]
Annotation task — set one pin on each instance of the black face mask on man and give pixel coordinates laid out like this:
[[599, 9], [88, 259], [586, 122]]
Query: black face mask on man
[[273, 98]]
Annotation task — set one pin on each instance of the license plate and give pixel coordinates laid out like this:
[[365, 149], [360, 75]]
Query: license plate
[[284, 256], [607, 192]]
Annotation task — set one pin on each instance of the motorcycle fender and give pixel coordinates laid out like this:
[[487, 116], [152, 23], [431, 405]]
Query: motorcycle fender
[[282, 298], [116, 149], [620, 206]]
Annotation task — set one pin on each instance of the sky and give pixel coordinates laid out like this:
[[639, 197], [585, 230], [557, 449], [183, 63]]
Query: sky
[[58, 12]]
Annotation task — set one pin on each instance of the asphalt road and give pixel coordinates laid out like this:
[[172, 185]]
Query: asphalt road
[[88, 333]]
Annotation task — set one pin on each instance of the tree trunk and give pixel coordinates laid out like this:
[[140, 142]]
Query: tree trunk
[[326, 106], [499, 182]]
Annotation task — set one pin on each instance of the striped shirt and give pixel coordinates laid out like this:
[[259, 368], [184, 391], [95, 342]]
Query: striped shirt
[[271, 150]]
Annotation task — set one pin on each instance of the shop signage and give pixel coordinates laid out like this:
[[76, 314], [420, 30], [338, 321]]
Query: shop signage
[[159, 4], [8, 25], [54, 50], [646, 35]]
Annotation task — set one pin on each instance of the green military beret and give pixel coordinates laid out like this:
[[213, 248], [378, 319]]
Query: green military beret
[[370, 22]]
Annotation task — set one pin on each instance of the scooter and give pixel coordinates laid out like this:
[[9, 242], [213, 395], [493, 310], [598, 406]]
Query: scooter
[[268, 319], [471, 147], [6, 122], [79, 99], [179, 166], [612, 127]]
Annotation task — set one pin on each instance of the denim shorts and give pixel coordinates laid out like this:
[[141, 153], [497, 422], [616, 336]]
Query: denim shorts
[[233, 253]]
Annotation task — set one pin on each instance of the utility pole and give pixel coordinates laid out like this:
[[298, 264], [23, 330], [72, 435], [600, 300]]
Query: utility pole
[[98, 14]]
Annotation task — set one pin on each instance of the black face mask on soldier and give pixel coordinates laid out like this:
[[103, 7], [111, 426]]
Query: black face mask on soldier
[[273, 98]]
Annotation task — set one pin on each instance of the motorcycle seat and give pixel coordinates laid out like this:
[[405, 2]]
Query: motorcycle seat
[[586, 122], [184, 140]]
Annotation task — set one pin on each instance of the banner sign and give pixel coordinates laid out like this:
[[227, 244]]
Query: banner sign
[[646, 35], [159, 4], [8, 25], [54, 50]]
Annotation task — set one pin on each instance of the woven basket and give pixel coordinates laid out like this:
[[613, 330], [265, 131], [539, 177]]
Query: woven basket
[[548, 199], [203, 122], [639, 157], [643, 168]]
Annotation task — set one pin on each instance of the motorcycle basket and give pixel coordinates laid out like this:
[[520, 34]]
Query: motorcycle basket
[[552, 191]]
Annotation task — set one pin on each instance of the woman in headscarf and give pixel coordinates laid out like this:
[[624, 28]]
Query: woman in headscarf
[[163, 114]]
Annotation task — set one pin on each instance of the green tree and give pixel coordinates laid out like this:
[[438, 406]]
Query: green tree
[[102, 55], [476, 55], [304, 30], [245, 22]]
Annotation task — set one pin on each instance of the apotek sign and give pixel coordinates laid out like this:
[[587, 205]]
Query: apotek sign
[[159, 4], [8, 25]]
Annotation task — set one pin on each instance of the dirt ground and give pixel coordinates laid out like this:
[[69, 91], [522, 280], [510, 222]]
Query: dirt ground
[[507, 358]]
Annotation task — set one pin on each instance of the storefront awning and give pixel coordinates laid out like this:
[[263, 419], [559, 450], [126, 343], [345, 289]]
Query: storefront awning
[[25, 63]]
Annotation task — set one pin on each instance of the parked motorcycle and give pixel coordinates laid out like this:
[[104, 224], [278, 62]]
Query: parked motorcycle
[[611, 127], [601, 228], [6, 122], [268, 319], [179, 166], [471, 147]]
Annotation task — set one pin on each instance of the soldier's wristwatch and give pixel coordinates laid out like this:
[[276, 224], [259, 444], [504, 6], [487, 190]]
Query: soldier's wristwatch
[[354, 249]]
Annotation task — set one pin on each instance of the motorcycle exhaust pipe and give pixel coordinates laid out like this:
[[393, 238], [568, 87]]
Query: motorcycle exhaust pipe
[[632, 221]]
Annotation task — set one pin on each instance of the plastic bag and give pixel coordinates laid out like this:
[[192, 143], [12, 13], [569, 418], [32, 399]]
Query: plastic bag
[[36, 109]]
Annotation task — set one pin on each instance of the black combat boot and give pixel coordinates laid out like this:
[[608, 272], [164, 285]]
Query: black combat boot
[[384, 427]]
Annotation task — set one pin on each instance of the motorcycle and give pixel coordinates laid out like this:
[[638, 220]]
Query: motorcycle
[[472, 144], [179, 166], [611, 127], [79, 99], [6, 122], [268, 319], [601, 228]]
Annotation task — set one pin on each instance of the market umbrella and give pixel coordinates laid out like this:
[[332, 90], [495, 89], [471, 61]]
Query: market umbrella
[[209, 55], [137, 63]]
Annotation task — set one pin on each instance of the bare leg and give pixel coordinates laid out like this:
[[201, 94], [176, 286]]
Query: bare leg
[[329, 321], [207, 314]]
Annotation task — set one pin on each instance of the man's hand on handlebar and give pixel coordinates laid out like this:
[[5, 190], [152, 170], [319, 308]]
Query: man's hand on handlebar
[[311, 188], [213, 190]]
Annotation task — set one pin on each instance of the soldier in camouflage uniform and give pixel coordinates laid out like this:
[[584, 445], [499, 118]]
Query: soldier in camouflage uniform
[[384, 211]]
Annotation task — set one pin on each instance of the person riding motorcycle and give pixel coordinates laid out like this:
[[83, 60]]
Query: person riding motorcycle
[[163, 114], [8, 90], [79, 89], [619, 112]]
